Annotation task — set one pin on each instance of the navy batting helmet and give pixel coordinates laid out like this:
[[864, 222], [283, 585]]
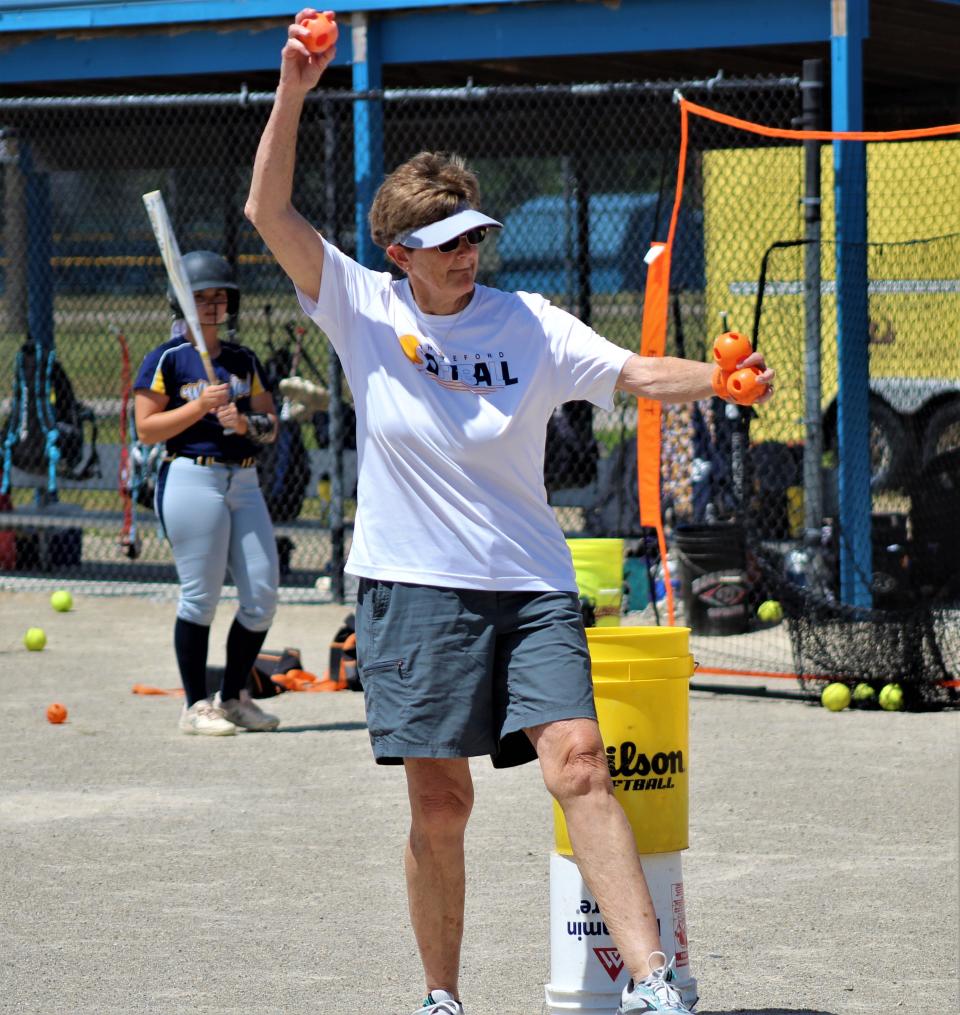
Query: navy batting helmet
[[207, 270]]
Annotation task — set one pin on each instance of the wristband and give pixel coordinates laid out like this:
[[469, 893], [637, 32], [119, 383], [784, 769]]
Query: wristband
[[261, 429]]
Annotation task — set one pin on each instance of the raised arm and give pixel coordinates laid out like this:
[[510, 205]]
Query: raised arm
[[672, 380], [291, 239]]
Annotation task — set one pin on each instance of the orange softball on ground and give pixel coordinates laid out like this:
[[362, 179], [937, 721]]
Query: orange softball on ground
[[729, 349], [323, 33], [56, 713]]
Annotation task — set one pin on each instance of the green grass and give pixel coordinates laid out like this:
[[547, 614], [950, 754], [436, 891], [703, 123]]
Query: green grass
[[90, 352]]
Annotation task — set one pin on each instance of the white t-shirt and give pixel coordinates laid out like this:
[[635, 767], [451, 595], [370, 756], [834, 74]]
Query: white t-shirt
[[451, 424]]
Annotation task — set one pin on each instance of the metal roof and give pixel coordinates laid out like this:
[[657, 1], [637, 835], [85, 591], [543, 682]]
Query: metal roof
[[69, 47]]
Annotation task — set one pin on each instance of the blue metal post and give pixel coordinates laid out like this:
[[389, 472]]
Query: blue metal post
[[38, 252], [367, 130], [850, 181]]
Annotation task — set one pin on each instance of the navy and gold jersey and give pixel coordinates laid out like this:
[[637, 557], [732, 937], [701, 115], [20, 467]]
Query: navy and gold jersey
[[175, 369]]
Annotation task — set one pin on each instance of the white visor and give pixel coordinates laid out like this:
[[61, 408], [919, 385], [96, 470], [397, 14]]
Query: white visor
[[436, 233]]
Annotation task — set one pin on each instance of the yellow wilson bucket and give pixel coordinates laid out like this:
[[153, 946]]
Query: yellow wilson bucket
[[598, 564], [641, 685]]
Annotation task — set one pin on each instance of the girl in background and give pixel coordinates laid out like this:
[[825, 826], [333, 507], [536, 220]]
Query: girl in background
[[208, 495]]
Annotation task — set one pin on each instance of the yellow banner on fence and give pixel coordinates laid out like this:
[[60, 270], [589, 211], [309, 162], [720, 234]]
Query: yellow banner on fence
[[752, 200]]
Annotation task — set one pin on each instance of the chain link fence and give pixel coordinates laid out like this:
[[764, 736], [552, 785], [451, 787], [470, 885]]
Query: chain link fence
[[582, 176]]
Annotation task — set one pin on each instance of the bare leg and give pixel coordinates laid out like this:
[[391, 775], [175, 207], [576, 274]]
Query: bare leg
[[441, 798], [575, 771]]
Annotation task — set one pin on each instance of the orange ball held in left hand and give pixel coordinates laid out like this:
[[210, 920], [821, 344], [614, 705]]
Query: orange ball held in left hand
[[744, 387], [729, 349], [323, 33]]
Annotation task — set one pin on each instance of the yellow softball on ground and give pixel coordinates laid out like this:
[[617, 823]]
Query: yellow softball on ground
[[770, 611], [864, 694], [61, 601], [835, 697], [891, 698], [35, 639]]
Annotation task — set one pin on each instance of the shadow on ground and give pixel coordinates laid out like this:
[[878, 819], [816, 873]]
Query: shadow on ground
[[328, 727], [768, 1011]]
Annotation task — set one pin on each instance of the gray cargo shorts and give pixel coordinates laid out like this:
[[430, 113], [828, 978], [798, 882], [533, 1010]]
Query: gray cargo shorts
[[456, 673]]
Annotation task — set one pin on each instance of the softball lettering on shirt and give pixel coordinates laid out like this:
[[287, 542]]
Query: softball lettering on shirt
[[477, 372], [191, 390]]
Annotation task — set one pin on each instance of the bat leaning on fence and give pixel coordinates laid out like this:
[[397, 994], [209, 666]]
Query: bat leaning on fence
[[129, 540]]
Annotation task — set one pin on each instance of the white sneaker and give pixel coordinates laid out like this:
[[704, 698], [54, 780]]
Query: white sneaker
[[654, 994], [207, 719], [245, 712], [440, 1002]]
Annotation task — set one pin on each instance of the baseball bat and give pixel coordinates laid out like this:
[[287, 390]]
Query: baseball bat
[[173, 262]]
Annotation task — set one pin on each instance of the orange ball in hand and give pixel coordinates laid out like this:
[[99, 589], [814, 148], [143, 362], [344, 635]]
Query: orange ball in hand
[[56, 713], [730, 348], [719, 382], [744, 387], [323, 33]]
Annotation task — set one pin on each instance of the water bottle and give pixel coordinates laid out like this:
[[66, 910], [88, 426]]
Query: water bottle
[[660, 588], [795, 565]]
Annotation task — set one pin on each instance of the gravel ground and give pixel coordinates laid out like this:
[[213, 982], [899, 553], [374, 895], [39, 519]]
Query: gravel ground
[[145, 871]]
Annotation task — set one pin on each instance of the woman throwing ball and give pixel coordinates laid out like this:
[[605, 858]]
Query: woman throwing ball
[[208, 495], [469, 632]]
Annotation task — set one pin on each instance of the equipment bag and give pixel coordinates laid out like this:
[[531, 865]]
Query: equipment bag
[[269, 662], [571, 452], [145, 462], [48, 429], [343, 657], [284, 470], [284, 466]]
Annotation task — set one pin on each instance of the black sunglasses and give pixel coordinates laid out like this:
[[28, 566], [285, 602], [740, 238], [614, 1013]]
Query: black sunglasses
[[474, 237]]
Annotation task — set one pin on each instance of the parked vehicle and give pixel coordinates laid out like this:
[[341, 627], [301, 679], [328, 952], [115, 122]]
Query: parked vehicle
[[541, 245]]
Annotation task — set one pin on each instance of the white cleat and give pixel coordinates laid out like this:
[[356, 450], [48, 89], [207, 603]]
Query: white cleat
[[205, 718], [246, 713]]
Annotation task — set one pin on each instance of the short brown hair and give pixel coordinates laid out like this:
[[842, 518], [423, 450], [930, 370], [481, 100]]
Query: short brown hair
[[427, 188]]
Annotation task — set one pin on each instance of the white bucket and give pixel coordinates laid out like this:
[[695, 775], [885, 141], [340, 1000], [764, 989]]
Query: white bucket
[[586, 971]]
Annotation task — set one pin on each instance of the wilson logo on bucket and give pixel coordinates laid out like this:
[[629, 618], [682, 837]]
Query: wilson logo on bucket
[[610, 960]]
